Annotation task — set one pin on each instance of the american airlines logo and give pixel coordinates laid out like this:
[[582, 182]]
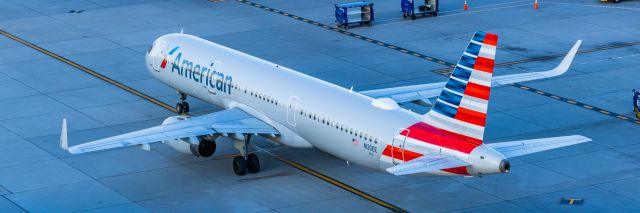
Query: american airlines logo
[[208, 76]]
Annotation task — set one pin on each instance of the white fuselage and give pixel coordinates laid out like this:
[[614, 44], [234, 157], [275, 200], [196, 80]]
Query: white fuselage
[[307, 112]]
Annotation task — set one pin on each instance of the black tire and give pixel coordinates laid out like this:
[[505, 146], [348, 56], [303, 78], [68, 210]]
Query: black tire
[[253, 164], [413, 17], [404, 15], [239, 166], [185, 105], [179, 108], [370, 24], [346, 27], [435, 14], [616, 1]]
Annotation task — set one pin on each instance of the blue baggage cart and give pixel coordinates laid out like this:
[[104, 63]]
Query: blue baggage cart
[[412, 8], [354, 13]]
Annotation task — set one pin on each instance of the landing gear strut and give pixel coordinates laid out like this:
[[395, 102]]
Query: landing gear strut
[[183, 106], [246, 161]]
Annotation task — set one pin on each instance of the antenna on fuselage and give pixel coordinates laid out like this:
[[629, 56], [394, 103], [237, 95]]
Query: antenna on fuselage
[[181, 30], [351, 89]]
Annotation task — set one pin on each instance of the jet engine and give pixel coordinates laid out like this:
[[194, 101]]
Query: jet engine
[[201, 146]]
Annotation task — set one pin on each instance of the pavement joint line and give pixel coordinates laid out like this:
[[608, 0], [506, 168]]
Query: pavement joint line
[[166, 106], [88, 71], [580, 104], [345, 32]]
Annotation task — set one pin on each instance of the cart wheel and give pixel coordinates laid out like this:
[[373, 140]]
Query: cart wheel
[[413, 17], [370, 24], [339, 25], [346, 27], [404, 15], [435, 14]]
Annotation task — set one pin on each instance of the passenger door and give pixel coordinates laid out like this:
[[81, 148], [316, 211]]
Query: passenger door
[[397, 144], [292, 107]]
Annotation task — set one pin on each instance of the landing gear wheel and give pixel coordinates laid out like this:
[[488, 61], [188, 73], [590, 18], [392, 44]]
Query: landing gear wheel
[[239, 166], [253, 164], [180, 108], [185, 105]]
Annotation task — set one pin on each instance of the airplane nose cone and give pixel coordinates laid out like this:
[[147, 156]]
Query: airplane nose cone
[[505, 166]]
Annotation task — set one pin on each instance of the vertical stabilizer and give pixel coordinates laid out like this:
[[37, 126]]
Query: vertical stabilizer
[[462, 106]]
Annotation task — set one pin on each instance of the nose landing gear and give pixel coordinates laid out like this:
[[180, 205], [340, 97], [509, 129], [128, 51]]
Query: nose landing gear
[[182, 107]]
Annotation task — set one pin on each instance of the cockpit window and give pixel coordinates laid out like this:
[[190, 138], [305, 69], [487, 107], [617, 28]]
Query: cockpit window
[[150, 48]]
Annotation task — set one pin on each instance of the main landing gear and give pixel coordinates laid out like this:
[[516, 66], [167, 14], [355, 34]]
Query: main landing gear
[[245, 162], [183, 106]]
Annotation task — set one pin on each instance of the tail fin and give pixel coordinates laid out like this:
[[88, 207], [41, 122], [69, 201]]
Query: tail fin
[[462, 106]]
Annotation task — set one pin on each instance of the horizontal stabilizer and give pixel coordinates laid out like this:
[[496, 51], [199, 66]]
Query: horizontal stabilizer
[[558, 70], [426, 164], [424, 91], [517, 148]]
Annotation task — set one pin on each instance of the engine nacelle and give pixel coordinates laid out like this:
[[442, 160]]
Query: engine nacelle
[[198, 146]]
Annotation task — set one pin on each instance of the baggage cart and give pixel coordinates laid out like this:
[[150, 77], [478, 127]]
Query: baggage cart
[[413, 8], [354, 13]]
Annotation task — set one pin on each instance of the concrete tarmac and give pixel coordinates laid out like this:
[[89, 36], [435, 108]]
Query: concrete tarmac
[[37, 90]]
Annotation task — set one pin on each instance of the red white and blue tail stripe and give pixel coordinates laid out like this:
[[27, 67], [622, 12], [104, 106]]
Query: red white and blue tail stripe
[[462, 106]]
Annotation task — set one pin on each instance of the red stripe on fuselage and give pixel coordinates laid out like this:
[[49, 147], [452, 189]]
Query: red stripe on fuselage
[[426, 133], [397, 153], [477, 90], [410, 155], [484, 64], [471, 116]]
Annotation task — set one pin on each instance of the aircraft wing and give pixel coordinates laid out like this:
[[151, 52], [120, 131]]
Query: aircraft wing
[[426, 163], [232, 120], [524, 147], [423, 92]]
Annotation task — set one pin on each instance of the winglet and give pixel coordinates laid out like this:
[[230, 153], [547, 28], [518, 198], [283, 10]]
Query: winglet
[[63, 136], [566, 61]]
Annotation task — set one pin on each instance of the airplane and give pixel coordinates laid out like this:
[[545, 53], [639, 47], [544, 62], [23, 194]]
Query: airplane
[[368, 128]]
